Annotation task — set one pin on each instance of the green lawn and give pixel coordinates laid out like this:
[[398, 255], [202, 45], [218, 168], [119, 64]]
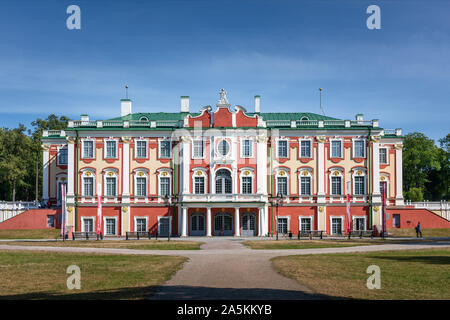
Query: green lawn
[[411, 232], [42, 275], [117, 244], [306, 244], [30, 234], [411, 274]]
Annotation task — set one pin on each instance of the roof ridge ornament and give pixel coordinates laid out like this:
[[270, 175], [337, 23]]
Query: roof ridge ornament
[[223, 101]]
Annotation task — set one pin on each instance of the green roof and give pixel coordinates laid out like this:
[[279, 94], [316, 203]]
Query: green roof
[[294, 116], [153, 116]]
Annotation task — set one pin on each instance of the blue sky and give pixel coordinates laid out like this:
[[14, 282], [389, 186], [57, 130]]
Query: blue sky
[[281, 50]]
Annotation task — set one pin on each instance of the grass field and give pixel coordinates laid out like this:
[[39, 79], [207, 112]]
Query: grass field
[[30, 234], [118, 244], [38, 275], [305, 244], [410, 274], [411, 232]]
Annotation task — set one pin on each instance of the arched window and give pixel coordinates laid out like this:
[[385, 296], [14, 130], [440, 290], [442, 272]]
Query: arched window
[[223, 182]]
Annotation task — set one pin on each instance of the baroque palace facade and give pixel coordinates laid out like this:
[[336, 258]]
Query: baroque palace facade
[[218, 172]]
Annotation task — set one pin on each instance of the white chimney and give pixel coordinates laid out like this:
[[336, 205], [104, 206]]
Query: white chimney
[[184, 104], [359, 118], [257, 104], [125, 107]]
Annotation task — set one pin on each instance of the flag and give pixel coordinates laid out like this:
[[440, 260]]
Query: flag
[[63, 209], [348, 207], [99, 208]]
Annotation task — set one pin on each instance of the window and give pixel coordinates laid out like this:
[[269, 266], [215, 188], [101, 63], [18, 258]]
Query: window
[[305, 224], [110, 226], [282, 185], [141, 149], [164, 185], [165, 149], [305, 186], [141, 225], [110, 186], [282, 149], [199, 185], [247, 185], [359, 149], [223, 147], [141, 186], [111, 148], [88, 149], [336, 225], [383, 156], [359, 224], [223, 182], [88, 225], [88, 186], [62, 156], [336, 149], [282, 225], [336, 185], [198, 151], [246, 148], [51, 221], [359, 185], [305, 149]]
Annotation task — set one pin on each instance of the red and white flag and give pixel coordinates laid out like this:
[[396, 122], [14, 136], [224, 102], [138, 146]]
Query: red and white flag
[[99, 208]]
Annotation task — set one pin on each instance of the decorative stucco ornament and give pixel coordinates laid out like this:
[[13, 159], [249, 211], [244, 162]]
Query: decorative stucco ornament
[[223, 101], [376, 138], [398, 146], [125, 209], [320, 139], [126, 139]]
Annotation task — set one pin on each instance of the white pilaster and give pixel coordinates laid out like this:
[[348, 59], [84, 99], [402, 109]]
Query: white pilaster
[[261, 158], [236, 222], [399, 175], [70, 171], [260, 222], [45, 165], [376, 169], [321, 172], [184, 225], [180, 221], [185, 148], [208, 222], [126, 172]]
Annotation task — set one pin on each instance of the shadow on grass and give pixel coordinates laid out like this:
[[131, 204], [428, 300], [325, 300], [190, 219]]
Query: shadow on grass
[[174, 293]]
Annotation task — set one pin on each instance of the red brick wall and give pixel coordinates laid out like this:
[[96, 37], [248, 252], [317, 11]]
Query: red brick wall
[[32, 219], [410, 217]]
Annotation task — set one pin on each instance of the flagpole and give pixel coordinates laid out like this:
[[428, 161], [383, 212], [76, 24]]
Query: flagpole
[[348, 207], [99, 209]]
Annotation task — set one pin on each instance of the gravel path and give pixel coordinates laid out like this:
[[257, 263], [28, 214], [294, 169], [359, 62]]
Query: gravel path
[[226, 269]]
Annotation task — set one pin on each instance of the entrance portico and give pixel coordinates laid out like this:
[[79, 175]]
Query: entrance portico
[[222, 220]]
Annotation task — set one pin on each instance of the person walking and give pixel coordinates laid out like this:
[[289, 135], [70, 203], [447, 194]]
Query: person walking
[[418, 230]]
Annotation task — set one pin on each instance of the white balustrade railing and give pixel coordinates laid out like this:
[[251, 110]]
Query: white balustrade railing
[[9, 209], [442, 206]]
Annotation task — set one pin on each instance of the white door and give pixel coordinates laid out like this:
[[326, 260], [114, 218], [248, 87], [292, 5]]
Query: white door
[[248, 225], [197, 224], [223, 224]]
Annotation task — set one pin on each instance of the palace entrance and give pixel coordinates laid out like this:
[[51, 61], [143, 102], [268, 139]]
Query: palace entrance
[[223, 224], [248, 225]]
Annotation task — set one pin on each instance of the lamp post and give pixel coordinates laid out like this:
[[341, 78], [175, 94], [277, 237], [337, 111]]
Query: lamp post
[[278, 201], [166, 200], [174, 202]]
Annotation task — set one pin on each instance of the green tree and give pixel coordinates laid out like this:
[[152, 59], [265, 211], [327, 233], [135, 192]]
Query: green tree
[[420, 158]]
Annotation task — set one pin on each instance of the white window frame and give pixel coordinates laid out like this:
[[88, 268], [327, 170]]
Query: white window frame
[[364, 148], [83, 156], [105, 228], [83, 176], [218, 152], [359, 217], [146, 223], [342, 224], [205, 180], [387, 155], [63, 147], [169, 176], [105, 153], [311, 218], [341, 175], [278, 147], [165, 139], [300, 148], [300, 176], [136, 148], [136, 176], [251, 176], [170, 223], [341, 151], [363, 175], [242, 148], [288, 226], [93, 223], [286, 175], [105, 187], [193, 148]]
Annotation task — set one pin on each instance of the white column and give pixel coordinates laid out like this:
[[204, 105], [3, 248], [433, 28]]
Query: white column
[[185, 149], [321, 172], [261, 168], [236, 222], [180, 221], [260, 222], [208, 222], [376, 168], [399, 176], [71, 171], [45, 165], [184, 224], [126, 172]]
